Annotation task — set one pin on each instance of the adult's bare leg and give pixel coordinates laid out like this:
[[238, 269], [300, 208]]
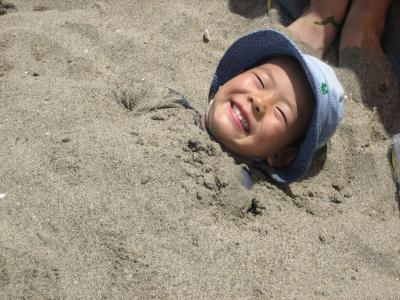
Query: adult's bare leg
[[364, 24], [317, 27]]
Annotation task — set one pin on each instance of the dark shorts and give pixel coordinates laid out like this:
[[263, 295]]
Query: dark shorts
[[390, 38]]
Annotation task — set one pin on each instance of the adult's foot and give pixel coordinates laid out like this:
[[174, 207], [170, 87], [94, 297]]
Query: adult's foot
[[319, 24]]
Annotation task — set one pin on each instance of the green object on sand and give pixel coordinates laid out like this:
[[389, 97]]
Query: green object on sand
[[328, 20], [394, 157]]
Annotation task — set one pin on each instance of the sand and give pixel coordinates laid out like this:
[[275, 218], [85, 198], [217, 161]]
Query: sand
[[108, 188]]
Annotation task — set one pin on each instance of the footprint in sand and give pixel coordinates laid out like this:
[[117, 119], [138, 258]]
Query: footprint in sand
[[142, 98], [6, 42], [30, 52], [84, 30], [6, 8]]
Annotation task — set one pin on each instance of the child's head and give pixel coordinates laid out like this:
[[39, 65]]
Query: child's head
[[264, 112], [274, 103]]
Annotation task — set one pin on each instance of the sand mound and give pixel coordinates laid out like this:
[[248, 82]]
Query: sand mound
[[112, 190]]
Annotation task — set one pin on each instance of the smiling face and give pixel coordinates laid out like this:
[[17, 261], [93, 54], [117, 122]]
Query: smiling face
[[262, 112]]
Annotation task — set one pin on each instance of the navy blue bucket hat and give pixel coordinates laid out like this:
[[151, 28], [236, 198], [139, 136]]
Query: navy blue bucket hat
[[256, 48]]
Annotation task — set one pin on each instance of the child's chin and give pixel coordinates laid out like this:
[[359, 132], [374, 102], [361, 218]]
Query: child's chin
[[225, 136]]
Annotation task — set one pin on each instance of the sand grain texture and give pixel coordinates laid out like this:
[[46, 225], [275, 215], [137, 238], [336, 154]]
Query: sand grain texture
[[112, 191]]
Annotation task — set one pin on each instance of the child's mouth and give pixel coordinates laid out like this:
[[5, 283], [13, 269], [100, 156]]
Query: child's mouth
[[241, 117]]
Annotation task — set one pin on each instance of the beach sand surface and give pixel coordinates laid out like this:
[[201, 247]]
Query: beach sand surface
[[109, 190]]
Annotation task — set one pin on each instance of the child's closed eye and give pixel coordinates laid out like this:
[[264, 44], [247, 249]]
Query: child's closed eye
[[260, 80], [281, 114]]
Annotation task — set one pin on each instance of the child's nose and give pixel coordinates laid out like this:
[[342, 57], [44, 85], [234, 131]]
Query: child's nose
[[258, 104]]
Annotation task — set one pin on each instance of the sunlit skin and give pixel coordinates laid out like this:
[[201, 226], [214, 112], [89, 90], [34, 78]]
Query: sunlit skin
[[275, 103], [363, 24]]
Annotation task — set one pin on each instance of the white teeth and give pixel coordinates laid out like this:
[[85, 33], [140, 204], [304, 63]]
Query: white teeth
[[240, 117]]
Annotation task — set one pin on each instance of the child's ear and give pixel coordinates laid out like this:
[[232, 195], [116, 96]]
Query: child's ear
[[283, 158]]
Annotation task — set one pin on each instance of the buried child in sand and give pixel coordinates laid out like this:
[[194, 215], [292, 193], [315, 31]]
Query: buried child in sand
[[272, 103]]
